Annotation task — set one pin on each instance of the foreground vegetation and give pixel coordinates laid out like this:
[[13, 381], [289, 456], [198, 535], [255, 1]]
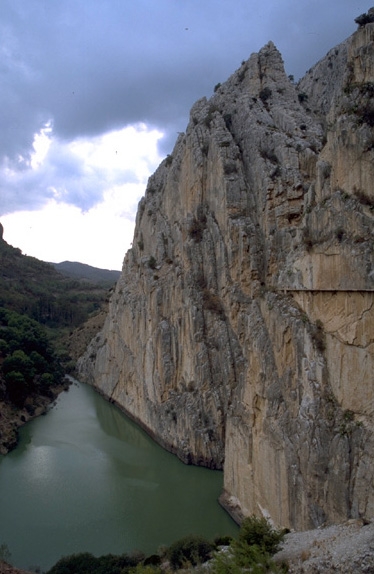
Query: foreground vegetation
[[251, 552]]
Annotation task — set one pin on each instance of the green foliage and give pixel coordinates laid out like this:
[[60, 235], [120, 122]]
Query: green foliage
[[168, 160], [256, 543], [228, 121], [365, 18], [223, 540], [258, 531], [29, 364], [265, 94], [225, 563], [302, 97], [251, 552], [209, 117], [152, 262], [245, 558], [191, 550], [86, 563], [152, 560], [308, 239], [34, 288], [196, 229], [229, 168], [364, 198], [361, 103], [318, 336]]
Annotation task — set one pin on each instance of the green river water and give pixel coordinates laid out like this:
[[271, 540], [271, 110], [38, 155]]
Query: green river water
[[84, 478]]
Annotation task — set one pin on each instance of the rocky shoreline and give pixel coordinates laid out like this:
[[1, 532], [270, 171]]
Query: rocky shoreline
[[11, 418]]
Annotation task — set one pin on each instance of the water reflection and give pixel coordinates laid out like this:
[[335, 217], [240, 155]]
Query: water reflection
[[86, 478]]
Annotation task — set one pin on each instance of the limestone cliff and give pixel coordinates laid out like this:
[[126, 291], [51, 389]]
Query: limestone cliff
[[241, 331]]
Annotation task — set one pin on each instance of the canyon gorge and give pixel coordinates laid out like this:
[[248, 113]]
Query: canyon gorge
[[240, 334]]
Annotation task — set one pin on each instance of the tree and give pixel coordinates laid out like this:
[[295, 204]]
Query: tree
[[365, 18]]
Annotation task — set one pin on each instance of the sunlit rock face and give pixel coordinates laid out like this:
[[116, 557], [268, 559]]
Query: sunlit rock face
[[241, 331]]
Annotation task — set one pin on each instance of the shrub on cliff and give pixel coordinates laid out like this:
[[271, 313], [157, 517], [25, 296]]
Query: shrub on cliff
[[255, 531], [191, 550], [253, 550], [86, 563], [365, 18]]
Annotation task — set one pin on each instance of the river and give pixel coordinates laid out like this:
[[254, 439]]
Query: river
[[85, 478]]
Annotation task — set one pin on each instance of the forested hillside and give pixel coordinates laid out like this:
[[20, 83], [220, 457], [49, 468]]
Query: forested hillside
[[39, 310], [36, 289]]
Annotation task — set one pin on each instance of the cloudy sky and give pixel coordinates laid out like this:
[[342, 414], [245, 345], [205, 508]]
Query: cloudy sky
[[93, 93]]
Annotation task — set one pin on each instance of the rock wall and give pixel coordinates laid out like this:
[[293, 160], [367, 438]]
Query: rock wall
[[241, 331]]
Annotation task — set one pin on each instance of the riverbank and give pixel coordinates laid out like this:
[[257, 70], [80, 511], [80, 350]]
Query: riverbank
[[12, 418], [6, 568]]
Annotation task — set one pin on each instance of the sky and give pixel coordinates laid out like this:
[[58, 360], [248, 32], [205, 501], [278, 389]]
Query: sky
[[94, 92]]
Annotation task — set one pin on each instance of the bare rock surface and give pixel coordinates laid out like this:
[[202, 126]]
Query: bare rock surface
[[241, 332], [346, 548]]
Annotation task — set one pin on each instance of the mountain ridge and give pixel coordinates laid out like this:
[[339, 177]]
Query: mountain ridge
[[85, 272], [240, 333]]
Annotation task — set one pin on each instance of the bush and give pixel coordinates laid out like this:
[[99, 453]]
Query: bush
[[265, 94], [252, 551], [191, 550], [152, 262], [258, 531], [365, 18], [86, 563], [245, 559], [364, 199], [223, 540], [196, 228], [319, 336]]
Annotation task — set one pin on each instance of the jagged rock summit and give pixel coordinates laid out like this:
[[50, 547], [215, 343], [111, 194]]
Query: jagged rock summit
[[241, 331]]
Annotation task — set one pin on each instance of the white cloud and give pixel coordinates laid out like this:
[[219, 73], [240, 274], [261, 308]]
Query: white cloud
[[97, 185], [59, 232], [41, 144], [74, 73]]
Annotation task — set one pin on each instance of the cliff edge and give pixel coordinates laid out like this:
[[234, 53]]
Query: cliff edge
[[241, 331]]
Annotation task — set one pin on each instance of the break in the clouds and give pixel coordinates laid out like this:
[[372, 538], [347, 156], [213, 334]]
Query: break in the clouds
[[74, 73], [78, 172]]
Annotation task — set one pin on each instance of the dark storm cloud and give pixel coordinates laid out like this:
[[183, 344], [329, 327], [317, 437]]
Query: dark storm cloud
[[91, 67]]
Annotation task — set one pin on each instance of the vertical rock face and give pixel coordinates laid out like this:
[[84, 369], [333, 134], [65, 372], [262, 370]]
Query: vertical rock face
[[241, 331]]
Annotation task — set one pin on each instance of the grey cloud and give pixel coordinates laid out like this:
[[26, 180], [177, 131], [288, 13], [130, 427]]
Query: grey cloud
[[64, 177], [90, 67]]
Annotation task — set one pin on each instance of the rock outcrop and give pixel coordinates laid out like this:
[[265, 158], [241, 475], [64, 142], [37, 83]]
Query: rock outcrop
[[241, 331]]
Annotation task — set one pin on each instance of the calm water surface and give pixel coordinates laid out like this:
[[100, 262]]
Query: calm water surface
[[85, 478]]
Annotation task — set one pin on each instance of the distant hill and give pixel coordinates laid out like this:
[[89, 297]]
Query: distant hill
[[56, 299], [46, 319], [81, 271]]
